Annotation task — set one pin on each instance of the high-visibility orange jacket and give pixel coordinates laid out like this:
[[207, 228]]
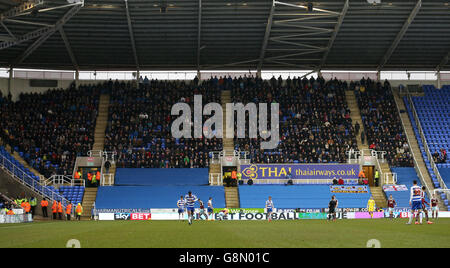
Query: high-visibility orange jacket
[[60, 207], [77, 175], [10, 212], [55, 207], [89, 175], [69, 209], [27, 207], [44, 203], [79, 209], [234, 175], [98, 176]]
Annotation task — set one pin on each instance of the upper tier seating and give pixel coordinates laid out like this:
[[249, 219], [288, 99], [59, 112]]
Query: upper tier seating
[[382, 123], [304, 197], [139, 125], [315, 123], [50, 130]]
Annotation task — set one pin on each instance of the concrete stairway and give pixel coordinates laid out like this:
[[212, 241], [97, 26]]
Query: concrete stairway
[[414, 145], [89, 198], [379, 197], [228, 144], [231, 193], [355, 114], [232, 197], [102, 122]]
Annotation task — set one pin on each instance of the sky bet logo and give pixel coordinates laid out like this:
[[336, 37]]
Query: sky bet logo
[[182, 126], [122, 216]]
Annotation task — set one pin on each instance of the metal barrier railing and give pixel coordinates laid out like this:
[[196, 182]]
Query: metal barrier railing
[[23, 178], [60, 180], [216, 179], [390, 178], [107, 179]]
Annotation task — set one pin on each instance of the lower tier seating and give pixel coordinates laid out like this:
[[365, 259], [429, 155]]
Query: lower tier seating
[[151, 197], [298, 196]]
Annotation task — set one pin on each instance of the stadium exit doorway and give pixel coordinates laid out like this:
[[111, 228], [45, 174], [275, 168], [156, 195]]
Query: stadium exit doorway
[[370, 173]]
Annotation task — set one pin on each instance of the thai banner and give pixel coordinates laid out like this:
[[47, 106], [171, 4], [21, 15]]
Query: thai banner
[[299, 171], [349, 189]]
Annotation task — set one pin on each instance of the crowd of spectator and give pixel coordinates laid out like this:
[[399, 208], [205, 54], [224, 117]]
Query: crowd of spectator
[[383, 129], [139, 124], [440, 158], [315, 123], [51, 129]]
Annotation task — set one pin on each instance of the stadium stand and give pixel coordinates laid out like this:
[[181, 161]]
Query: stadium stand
[[159, 177], [50, 130], [315, 123], [382, 124], [434, 115], [151, 197], [139, 125], [298, 196]]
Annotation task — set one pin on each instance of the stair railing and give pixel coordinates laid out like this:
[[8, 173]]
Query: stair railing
[[23, 178]]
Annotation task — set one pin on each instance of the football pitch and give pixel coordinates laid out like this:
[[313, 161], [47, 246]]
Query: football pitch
[[227, 234]]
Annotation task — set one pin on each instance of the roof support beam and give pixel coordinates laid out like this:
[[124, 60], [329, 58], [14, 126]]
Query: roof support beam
[[443, 62], [8, 31], [20, 9], [69, 48], [43, 37], [199, 35], [400, 35], [266, 39], [335, 33], [130, 30]]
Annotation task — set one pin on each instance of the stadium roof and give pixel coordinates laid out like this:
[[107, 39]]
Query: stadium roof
[[225, 34]]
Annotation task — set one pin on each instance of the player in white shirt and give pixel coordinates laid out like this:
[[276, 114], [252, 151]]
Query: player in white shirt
[[181, 205], [190, 205], [416, 203], [269, 208], [210, 209]]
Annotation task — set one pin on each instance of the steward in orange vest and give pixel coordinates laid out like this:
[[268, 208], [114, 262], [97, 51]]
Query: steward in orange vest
[[60, 210], [79, 211], [54, 209], [69, 211], [44, 205], [10, 212], [27, 207]]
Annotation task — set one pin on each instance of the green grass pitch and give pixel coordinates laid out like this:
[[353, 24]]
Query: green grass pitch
[[227, 234]]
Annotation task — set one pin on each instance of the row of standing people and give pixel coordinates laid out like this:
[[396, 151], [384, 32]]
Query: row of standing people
[[58, 210]]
